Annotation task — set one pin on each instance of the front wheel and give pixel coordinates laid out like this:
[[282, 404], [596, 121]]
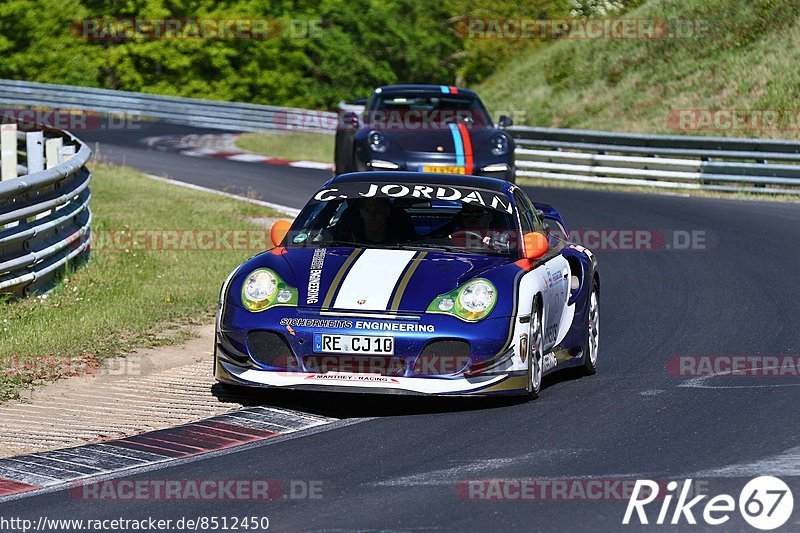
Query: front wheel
[[592, 333], [344, 152], [535, 354]]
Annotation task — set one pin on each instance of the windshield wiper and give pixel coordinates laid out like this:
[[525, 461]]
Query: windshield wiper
[[336, 242], [445, 247], [457, 249]]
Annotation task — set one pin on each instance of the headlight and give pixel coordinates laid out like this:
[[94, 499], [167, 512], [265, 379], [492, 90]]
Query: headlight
[[499, 144], [263, 288], [471, 302], [477, 297], [377, 141]]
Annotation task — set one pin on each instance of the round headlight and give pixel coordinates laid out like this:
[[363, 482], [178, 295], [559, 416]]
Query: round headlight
[[284, 296], [446, 304], [260, 286], [377, 141], [499, 144], [477, 297]]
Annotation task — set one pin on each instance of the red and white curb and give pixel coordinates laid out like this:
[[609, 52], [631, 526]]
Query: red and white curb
[[221, 146], [27, 473]]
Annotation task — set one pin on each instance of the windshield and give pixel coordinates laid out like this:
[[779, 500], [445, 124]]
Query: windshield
[[434, 109], [408, 216]]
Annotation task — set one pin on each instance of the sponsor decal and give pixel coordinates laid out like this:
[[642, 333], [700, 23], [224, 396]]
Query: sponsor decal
[[351, 377], [316, 323], [549, 361], [555, 277], [317, 262], [323, 323], [499, 202], [395, 326]]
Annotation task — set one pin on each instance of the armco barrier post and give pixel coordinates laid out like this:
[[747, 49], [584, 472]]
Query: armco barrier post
[[34, 147], [52, 149], [8, 151]]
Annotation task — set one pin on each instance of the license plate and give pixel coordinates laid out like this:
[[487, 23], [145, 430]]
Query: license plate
[[357, 344], [444, 169]]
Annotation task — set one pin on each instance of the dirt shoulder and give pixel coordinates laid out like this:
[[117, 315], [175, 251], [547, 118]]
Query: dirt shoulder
[[146, 390]]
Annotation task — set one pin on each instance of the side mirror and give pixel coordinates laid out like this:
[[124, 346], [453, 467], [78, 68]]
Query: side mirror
[[536, 245], [278, 231], [505, 122]]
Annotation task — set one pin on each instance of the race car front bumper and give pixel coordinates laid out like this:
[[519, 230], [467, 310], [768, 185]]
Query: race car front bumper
[[499, 382]]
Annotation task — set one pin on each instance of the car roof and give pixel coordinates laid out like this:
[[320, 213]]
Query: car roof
[[420, 88], [426, 178]]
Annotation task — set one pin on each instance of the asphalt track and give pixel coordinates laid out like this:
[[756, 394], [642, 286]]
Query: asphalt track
[[399, 468]]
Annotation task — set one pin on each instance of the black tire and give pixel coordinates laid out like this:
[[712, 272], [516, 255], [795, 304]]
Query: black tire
[[535, 354], [592, 346], [511, 175], [344, 152]]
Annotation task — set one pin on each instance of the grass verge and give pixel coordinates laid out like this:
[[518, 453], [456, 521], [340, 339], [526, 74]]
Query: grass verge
[[737, 55], [150, 271], [294, 146]]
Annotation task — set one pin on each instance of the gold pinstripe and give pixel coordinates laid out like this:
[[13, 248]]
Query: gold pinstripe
[[401, 288], [337, 280]]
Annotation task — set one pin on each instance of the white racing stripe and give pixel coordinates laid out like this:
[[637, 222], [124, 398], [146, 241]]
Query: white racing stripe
[[372, 280]]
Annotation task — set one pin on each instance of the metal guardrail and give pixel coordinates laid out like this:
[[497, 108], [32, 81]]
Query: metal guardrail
[[170, 109], [663, 161], [44, 207]]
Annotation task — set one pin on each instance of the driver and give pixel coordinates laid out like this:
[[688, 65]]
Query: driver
[[474, 218], [375, 221], [375, 213], [473, 226]]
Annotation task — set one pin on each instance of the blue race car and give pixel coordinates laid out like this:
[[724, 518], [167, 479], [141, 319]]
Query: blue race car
[[400, 282], [426, 128]]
